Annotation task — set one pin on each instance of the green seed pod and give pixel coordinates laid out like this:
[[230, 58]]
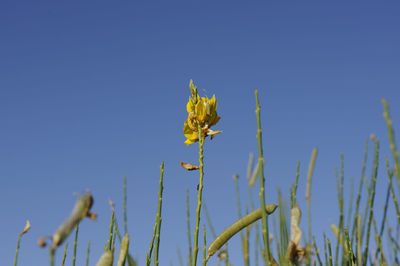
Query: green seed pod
[[123, 252], [80, 211], [236, 227], [106, 259]]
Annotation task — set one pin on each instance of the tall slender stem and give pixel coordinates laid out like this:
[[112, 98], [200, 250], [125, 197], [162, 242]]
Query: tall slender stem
[[65, 254], [308, 191], [17, 250], [371, 199], [204, 246], [125, 207], [87, 253], [199, 196], [396, 205], [157, 224], [52, 254], [339, 184], [354, 228], [392, 140], [109, 241], [264, 217], [75, 244], [158, 216]]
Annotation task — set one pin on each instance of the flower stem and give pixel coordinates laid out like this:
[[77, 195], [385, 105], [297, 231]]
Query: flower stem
[[204, 246], [17, 250], [264, 217], [199, 197]]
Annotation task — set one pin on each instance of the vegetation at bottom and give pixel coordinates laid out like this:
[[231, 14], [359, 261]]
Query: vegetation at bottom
[[360, 236]]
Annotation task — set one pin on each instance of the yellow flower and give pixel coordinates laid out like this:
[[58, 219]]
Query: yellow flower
[[201, 111]]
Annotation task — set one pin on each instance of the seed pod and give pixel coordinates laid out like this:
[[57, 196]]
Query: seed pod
[[26, 228], [80, 211], [123, 252], [236, 227], [106, 259], [294, 250]]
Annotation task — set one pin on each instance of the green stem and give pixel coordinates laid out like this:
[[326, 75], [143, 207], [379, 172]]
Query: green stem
[[114, 236], [378, 240], [317, 252], [75, 244], [87, 253], [339, 184], [264, 217], [204, 246], [350, 255], [109, 242], [330, 251], [17, 250], [350, 202], [52, 254], [148, 257], [308, 191], [257, 243], [199, 196], [390, 176], [294, 191], [125, 207], [65, 254], [385, 208], [250, 175], [392, 140], [354, 228], [157, 224], [158, 216], [371, 199], [325, 250]]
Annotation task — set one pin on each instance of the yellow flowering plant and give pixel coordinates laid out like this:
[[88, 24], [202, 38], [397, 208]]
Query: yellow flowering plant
[[202, 114]]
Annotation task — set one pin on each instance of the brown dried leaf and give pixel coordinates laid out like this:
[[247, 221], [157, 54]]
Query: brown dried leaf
[[189, 167]]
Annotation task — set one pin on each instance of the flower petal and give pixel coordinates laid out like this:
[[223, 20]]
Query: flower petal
[[190, 106], [192, 136]]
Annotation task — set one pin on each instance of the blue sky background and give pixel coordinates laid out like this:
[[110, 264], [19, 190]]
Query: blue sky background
[[93, 91]]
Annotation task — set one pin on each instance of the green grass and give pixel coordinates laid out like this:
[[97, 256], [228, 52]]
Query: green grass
[[360, 237]]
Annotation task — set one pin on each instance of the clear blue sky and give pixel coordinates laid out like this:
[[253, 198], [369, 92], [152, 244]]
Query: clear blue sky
[[90, 92]]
